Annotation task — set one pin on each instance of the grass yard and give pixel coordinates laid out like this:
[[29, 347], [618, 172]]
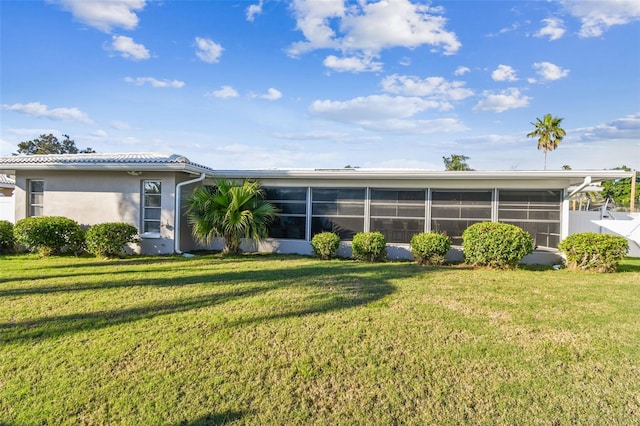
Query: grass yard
[[266, 339]]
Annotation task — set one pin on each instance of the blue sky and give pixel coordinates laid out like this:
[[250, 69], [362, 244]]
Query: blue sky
[[326, 83]]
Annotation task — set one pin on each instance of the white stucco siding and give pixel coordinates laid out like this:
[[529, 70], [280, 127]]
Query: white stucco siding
[[97, 197]]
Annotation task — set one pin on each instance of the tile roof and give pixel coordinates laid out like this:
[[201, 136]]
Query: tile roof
[[142, 157], [6, 180], [147, 159]]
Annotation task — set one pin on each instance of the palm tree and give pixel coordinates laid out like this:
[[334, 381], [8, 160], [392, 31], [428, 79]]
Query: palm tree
[[456, 163], [230, 210], [549, 134]]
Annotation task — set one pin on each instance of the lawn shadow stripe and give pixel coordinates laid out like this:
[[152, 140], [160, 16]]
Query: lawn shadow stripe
[[357, 284]]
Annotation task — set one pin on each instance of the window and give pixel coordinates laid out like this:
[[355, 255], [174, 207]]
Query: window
[[398, 214], [454, 211], [36, 197], [338, 210], [151, 206], [291, 203], [537, 212]]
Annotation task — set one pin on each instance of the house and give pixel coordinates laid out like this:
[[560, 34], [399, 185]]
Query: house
[[6, 186], [149, 190], [7, 207]]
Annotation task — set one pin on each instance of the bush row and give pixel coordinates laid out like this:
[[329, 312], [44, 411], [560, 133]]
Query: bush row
[[492, 244], [54, 235]]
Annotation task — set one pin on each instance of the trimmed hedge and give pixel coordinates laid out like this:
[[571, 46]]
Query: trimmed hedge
[[369, 246], [494, 244], [325, 245], [594, 252], [110, 239], [429, 248], [50, 235], [7, 241]]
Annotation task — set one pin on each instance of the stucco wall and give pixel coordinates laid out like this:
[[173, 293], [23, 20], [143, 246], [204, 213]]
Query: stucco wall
[[98, 197]]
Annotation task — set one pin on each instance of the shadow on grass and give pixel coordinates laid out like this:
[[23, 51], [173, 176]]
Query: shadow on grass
[[327, 287], [630, 264], [192, 274], [128, 265], [214, 419]]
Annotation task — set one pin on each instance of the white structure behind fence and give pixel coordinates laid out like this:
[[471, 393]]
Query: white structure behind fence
[[580, 221], [7, 209]]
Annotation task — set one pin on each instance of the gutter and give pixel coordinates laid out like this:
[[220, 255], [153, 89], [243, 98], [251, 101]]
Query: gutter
[[177, 215]]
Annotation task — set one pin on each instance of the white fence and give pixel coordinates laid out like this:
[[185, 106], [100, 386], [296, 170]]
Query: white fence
[[580, 221], [7, 209]]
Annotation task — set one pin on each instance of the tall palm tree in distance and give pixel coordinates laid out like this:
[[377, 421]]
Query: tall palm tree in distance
[[549, 134]]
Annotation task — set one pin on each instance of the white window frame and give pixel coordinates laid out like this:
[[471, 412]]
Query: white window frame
[[30, 204], [144, 208]]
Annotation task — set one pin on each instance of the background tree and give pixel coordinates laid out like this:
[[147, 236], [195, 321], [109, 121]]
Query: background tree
[[549, 134], [49, 144], [230, 210], [619, 190], [456, 163], [566, 167]]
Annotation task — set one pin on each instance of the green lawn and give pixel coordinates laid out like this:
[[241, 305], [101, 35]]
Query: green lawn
[[265, 339]]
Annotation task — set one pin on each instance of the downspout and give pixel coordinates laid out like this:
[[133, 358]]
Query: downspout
[[564, 230], [583, 185], [177, 213]]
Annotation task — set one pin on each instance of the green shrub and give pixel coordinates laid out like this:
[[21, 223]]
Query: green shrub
[[429, 248], [50, 235], [110, 239], [594, 252], [497, 245], [370, 246], [325, 245], [7, 242]]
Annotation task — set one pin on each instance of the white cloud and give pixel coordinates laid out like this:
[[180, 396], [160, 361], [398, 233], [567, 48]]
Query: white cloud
[[371, 108], [37, 109], [129, 49], [397, 23], [505, 30], [208, 50], [139, 81], [504, 73], [623, 128], [598, 16], [105, 14], [99, 134], [553, 28], [432, 87], [367, 28], [253, 10], [416, 127], [352, 64], [313, 19], [271, 95], [6, 147], [225, 92], [461, 70], [311, 135], [504, 100], [385, 113], [548, 71], [120, 125]]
